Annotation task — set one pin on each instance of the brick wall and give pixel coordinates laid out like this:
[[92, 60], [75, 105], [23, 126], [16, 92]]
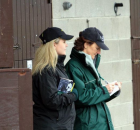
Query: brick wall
[[115, 63]]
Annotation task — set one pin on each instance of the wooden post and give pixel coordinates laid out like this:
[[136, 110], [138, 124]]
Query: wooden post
[[6, 34]]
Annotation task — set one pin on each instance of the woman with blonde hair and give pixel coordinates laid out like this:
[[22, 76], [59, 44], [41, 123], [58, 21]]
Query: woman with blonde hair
[[52, 110]]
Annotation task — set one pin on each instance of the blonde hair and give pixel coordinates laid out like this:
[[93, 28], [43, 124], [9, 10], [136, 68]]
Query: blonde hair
[[45, 55]]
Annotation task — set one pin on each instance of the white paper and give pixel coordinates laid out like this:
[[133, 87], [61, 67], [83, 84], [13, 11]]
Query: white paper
[[29, 64], [116, 88]]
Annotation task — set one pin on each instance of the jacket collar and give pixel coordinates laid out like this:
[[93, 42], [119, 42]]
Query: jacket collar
[[82, 58], [61, 59], [89, 61], [78, 56]]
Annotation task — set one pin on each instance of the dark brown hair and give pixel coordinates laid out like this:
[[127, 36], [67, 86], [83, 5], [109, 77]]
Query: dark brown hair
[[79, 42]]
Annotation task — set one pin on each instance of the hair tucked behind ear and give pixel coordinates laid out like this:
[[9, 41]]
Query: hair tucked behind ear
[[79, 42], [45, 55]]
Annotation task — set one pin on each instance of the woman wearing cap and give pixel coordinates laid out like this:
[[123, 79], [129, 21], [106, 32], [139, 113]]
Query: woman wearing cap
[[92, 112], [52, 110]]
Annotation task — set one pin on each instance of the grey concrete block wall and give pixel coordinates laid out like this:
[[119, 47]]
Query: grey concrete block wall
[[71, 26], [123, 111], [89, 8], [115, 63]]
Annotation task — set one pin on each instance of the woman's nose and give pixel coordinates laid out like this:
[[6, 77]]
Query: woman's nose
[[99, 51]]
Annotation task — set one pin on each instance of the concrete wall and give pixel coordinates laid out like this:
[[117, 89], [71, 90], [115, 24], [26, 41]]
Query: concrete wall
[[115, 63]]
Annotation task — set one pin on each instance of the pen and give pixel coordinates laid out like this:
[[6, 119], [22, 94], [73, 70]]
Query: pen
[[106, 82]]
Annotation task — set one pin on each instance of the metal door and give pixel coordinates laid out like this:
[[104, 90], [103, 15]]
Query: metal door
[[135, 45], [30, 18]]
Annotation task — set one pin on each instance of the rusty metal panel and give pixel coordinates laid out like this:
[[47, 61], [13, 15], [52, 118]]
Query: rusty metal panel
[[135, 17], [30, 18], [28, 30], [136, 88], [6, 33], [48, 8], [135, 46], [23, 30], [19, 29], [43, 20], [25, 100], [9, 107], [39, 14], [35, 23], [16, 99], [16, 64], [31, 30], [11, 80], [15, 33], [20, 64], [24, 63]]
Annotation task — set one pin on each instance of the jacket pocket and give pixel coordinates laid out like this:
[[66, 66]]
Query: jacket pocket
[[87, 116], [60, 115]]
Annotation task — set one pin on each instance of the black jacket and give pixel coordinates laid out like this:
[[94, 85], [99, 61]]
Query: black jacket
[[51, 110]]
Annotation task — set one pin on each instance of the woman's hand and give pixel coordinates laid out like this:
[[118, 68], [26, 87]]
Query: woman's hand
[[110, 87], [119, 84]]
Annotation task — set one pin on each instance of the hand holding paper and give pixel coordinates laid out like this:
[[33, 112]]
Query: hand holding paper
[[117, 87], [113, 87]]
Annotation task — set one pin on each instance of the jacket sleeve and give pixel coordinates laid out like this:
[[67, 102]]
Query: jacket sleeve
[[49, 93], [113, 96], [87, 96]]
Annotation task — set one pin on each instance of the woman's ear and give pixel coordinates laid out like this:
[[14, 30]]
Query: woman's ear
[[55, 45], [85, 45]]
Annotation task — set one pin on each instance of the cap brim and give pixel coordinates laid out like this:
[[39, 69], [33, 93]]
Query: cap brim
[[66, 37], [102, 45]]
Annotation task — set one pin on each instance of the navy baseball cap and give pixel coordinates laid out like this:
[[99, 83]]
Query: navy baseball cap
[[52, 33], [95, 35]]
